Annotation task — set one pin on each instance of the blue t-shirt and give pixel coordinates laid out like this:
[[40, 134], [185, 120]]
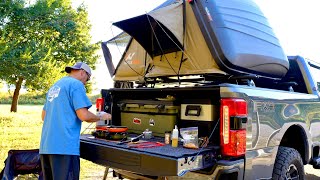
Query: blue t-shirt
[[61, 126]]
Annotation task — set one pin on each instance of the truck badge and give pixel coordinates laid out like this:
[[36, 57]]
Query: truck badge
[[265, 106]]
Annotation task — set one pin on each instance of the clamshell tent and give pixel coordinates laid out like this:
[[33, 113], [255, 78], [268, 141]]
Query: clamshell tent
[[139, 62], [179, 38]]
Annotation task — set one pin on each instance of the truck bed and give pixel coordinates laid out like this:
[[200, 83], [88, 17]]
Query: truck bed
[[157, 161]]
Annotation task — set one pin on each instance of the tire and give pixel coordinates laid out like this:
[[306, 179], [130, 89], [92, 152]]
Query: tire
[[288, 165]]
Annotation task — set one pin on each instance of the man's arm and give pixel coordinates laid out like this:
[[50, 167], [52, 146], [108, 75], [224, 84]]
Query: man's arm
[[85, 115]]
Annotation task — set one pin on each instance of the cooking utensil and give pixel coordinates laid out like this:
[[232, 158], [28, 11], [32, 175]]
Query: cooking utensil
[[147, 144]]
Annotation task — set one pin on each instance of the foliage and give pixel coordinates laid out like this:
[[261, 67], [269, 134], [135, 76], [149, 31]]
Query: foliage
[[38, 40], [23, 130], [27, 98]]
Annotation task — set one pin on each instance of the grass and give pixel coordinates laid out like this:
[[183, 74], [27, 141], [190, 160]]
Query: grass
[[22, 130]]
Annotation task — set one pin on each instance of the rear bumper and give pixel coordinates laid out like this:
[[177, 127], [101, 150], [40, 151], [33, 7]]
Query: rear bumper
[[229, 170]]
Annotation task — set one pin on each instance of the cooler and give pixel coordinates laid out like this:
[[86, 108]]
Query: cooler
[[157, 116]]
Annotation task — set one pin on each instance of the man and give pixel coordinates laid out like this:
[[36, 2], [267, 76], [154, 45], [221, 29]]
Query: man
[[65, 108]]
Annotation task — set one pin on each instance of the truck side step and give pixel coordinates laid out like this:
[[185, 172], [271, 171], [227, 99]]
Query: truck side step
[[316, 162]]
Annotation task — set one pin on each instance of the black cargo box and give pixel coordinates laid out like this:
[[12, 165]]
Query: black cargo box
[[240, 38]]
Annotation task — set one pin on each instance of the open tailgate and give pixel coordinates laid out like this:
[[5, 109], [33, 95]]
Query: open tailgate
[[157, 161]]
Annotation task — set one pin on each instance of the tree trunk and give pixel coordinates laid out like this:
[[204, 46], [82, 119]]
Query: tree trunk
[[15, 98]]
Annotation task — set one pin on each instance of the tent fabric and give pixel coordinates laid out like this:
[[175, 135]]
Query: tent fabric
[[150, 34], [197, 56], [133, 64], [144, 56], [22, 162], [172, 18], [108, 58], [121, 39]]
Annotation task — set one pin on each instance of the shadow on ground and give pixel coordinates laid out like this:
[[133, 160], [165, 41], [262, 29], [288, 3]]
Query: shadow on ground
[[312, 177]]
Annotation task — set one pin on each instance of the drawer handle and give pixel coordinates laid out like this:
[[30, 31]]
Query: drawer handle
[[193, 110]]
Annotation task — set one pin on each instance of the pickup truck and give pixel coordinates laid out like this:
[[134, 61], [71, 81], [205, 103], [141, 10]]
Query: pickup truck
[[252, 123]]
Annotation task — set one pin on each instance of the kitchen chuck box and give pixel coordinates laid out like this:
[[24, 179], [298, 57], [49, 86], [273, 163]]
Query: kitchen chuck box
[[157, 116]]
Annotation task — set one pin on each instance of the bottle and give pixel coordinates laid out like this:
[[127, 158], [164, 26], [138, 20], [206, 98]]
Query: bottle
[[174, 137], [167, 137]]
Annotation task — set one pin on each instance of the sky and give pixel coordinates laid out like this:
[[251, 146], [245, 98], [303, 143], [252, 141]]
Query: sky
[[295, 23], [102, 13]]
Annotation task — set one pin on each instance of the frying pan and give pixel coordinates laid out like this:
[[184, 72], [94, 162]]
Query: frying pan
[[112, 129]]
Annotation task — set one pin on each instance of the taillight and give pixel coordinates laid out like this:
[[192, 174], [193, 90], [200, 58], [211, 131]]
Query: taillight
[[232, 136], [99, 104]]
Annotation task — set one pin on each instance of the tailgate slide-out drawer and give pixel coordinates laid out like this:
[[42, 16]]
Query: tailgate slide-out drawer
[[156, 161]]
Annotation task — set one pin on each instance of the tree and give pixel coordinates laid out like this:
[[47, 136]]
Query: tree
[[40, 40]]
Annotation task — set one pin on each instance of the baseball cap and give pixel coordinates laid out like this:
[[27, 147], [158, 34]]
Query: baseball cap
[[79, 65]]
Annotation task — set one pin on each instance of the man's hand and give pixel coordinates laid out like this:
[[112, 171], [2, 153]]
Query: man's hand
[[103, 115]]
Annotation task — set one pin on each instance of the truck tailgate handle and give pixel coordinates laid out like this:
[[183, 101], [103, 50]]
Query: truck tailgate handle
[[193, 110]]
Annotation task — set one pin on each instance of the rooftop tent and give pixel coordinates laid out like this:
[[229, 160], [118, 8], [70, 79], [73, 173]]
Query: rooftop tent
[[160, 35], [207, 37]]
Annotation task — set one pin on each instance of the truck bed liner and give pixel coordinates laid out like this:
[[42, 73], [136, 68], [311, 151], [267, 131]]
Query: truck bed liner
[[160, 161]]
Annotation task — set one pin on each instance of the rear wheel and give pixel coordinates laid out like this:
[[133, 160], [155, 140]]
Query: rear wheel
[[288, 165]]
